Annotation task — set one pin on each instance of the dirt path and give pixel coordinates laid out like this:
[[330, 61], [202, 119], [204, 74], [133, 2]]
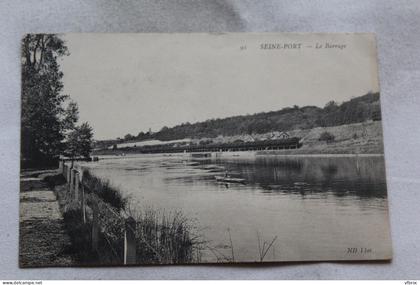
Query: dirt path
[[43, 240]]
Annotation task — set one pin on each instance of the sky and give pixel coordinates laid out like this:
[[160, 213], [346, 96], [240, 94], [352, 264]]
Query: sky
[[127, 83]]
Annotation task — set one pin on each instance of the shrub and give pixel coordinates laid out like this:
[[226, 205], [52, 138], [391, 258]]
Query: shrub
[[80, 235], [53, 180], [327, 137], [205, 142]]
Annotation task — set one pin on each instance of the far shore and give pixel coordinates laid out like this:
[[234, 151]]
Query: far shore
[[327, 154], [358, 139], [239, 155]]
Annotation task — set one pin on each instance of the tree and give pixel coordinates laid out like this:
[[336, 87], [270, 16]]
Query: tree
[[79, 141], [71, 116], [128, 137], [164, 129], [44, 120], [376, 114], [331, 106]]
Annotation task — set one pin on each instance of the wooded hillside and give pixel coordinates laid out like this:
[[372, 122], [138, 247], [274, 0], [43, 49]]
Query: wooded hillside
[[356, 110]]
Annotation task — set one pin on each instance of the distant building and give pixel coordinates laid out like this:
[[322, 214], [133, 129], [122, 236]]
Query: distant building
[[283, 135]]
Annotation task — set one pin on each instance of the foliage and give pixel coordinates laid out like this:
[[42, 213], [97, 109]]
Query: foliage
[[79, 141], [327, 137], [128, 137], [104, 190], [71, 116], [356, 110], [80, 235], [44, 119], [376, 114], [161, 237], [79, 232]]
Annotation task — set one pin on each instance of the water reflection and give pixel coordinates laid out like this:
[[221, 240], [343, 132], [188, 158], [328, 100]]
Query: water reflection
[[359, 176], [336, 201]]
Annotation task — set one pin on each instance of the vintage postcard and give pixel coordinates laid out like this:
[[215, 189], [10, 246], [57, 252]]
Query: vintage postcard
[[201, 148]]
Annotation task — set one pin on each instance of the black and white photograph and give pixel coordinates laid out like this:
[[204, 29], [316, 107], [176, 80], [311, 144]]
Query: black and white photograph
[[188, 148]]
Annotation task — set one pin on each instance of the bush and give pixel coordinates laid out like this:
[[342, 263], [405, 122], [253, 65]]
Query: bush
[[80, 236], [79, 233], [205, 142], [53, 180], [327, 137]]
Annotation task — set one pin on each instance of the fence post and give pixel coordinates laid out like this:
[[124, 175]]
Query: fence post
[[68, 173], [71, 182], [130, 241], [95, 225], [83, 201], [76, 185], [60, 166]]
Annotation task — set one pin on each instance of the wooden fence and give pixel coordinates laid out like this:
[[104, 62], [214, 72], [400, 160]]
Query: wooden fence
[[78, 190]]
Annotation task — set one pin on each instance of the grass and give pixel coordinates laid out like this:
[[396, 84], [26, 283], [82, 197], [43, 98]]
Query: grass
[[264, 247], [165, 238], [108, 193], [80, 236], [79, 232], [162, 238]]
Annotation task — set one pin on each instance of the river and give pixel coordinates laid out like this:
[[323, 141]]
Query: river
[[311, 208]]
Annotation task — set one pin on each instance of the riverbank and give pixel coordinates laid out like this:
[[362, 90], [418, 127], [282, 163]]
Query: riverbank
[[43, 239], [358, 138], [99, 220]]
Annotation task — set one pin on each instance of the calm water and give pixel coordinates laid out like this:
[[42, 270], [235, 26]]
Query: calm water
[[315, 207]]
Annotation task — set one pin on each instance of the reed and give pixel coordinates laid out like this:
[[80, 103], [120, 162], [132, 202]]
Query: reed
[[162, 237], [166, 238], [264, 246], [107, 192]]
